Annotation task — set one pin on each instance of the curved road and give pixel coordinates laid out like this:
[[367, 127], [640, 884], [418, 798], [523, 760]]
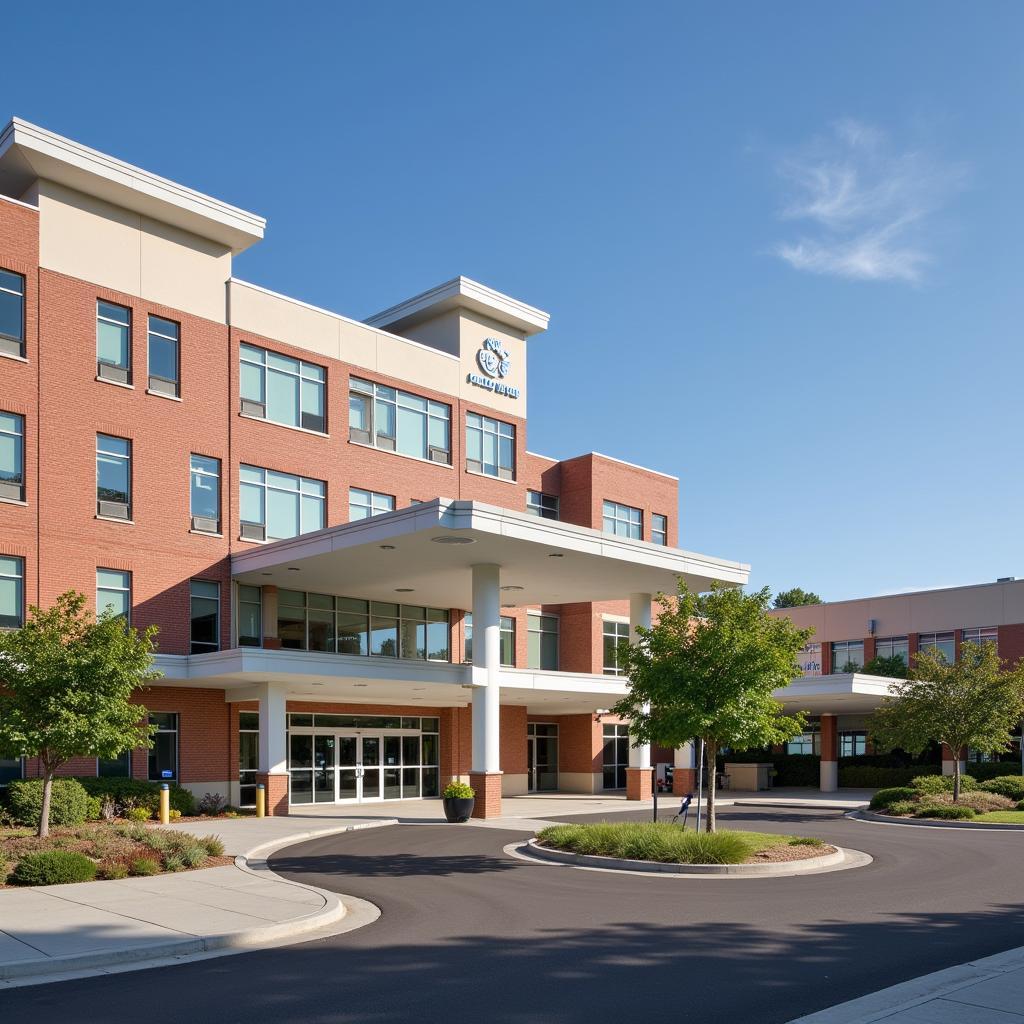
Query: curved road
[[470, 935]]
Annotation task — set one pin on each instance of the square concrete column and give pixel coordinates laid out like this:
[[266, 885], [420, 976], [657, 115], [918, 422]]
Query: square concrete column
[[273, 753], [485, 774], [638, 774], [684, 769], [829, 774]]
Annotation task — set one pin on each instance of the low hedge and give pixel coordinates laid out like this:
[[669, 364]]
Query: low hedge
[[129, 793], [949, 812], [53, 867], [68, 801], [1005, 785], [930, 785], [988, 770], [885, 798], [648, 841]]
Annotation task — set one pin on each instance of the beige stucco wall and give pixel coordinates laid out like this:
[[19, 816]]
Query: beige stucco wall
[[92, 240], [991, 604], [514, 784], [579, 782]]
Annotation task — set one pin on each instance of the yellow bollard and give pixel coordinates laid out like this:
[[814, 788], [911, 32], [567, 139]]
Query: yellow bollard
[[165, 803], [261, 801]]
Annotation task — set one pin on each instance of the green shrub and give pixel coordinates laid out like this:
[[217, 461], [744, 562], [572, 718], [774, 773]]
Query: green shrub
[[929, 785], [114, 869], [156, 840], [93, 808], [68, 801], [144, 866], [173, 815], [456, 790], [213, 845], [948, 812], [660, 842], [884, 797], [174, 862], [806, 841], [981, 802], [902, 808], [1011, 786], [194, 856], [139, 814], [3, 868], [128, 793], [987, 770], [53, 867]]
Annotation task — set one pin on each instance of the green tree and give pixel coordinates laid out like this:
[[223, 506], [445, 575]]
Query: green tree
[[894, 666], [707, 670], [972, 703], [66, 679], [794, 597]]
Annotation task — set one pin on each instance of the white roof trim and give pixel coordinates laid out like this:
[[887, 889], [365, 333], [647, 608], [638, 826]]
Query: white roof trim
[[31, 152], [462, 291], [20, 202], [633, 465]]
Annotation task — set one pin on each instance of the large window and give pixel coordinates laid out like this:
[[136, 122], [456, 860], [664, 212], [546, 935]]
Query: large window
[[275, 506], [542, 642], [12, 591], [893, 647], [345, 625], [205, 616], [113, 477], [943, 643], [114, 593], [12, 313], [978, 634], [163, 755], [12, 456], [659, 529], [398, 421], [615, 756], [623, 520], [543, 505], [204, 498], [282, 390], [119, 767], [113, 342], [614, 634], [250, 616], [853, 743], [490, 446], [248, 756], [363, 504], [507, 640], [847, 655], [164, 356]]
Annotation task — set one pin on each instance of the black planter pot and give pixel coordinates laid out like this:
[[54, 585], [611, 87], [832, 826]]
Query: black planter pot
[[458, 808]]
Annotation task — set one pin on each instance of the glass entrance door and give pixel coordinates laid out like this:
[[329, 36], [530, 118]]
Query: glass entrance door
[[542, 743], [348, 767], [369, 780]]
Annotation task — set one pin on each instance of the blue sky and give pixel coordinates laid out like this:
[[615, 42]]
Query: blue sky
[[780, 243]]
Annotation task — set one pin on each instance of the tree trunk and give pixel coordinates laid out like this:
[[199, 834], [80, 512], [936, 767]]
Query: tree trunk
[[956, 775], [710, 752], [44, 814]]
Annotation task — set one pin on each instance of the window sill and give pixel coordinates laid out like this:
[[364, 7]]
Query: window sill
[[286, 426], [206, 533], [249, 540], [114, 519], [17, 359], [160, 394], [487, 476], [14, 501], [114, 383], [402, 455]]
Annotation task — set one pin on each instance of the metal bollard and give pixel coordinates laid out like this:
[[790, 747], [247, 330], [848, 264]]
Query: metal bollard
[[165, 803], [261, 800]]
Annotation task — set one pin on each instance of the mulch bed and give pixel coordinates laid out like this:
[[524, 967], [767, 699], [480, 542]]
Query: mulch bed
[[782, 852]]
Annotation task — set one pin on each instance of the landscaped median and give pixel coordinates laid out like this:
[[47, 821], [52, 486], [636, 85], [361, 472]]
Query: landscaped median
[[929, 798], [662, 847]]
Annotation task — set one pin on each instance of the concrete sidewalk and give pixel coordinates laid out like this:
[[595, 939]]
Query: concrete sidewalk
[[52, 933], [985, 991]]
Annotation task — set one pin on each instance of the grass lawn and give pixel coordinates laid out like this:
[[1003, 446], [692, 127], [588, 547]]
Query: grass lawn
[[673, 844], [1002, 817]]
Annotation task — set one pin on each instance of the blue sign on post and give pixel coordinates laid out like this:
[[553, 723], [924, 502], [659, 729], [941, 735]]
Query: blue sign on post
[[166, 774]]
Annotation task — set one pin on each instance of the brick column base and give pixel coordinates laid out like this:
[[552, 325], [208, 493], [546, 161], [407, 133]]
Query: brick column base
[[684, 780], [638, 784], [276, 792], [487, 786]]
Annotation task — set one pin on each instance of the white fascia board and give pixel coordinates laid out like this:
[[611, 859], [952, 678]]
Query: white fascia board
[[69, 163], [633, 465], [463, 291], [563, 682], [836, 684]]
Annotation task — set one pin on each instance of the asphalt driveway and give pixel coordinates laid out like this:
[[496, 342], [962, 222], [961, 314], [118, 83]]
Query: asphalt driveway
[[469, 935]]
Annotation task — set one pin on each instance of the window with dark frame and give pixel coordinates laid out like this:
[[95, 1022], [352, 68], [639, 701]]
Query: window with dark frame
[[399, 421], [163, 755], [281, 389], [12, 313], [204, 493], [622, 520], [543, 505], [490, 446], [659, 529], [12, 591], [12, 456], [114, 593], [113, 342], [204, 616], [542, 641], [507, 640], [113, 477], [276, 506], [250, 616], [164, 356], [248, 757], [363, 504], [614, 756], [614, 633]]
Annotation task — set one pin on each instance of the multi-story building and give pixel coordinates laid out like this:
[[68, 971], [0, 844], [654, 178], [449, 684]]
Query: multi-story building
[[849, 635], [364, 582]]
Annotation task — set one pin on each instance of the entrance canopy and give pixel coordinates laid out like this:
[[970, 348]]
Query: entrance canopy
[[424, 554], [843, 693]]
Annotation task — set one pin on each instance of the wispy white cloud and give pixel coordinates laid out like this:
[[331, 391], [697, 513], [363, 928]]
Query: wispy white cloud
[[867, 208]]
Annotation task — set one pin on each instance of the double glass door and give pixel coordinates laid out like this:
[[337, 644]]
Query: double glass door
[[347, 768]]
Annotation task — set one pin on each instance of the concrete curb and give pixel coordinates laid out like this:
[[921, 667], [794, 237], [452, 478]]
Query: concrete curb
[[58, 968], [977, 826], [811, 864]]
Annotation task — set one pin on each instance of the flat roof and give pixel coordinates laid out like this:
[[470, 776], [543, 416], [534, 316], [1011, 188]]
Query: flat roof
[[424, 554], [28, 152]]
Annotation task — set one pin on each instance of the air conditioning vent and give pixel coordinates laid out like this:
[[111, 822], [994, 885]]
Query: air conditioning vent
[[110, 372], [313, 421], [163, 387], [204, 524], [257, 409], [387, 443], [11, 491], [359, 436], [254, 531], [439, 455], [112, 509]]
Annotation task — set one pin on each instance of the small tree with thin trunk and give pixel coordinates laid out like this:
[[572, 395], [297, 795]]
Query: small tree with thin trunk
[[708, 669], [972, 703], [66, 681]]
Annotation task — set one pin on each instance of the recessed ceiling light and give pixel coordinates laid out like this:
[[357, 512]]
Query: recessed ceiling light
[[362, 685], [294, 568], [387, 547], [266, 574], [556, 554], [404, 590], [512, 586], [316, 684], [445, 539]]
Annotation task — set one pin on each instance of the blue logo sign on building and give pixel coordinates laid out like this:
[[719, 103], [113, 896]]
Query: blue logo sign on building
[[495, 361]]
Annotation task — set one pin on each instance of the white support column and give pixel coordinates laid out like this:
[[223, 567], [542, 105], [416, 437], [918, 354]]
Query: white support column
[[486, 667], [639, 615], [685, 756], [273, 755]]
